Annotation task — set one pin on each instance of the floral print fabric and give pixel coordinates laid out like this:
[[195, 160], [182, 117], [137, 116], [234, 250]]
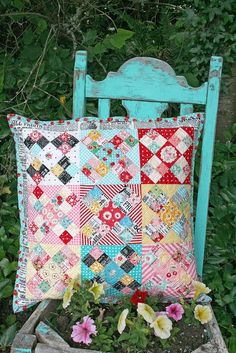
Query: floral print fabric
[[109, 201]]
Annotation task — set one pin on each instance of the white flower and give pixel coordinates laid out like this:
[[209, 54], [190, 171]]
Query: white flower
[[162, 327], [146, 312], [122, 321]]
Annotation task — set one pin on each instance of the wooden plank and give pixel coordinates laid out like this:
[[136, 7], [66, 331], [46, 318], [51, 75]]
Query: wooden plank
[[206, 160], [43, 348], [144, 110], [80, 70], [103, 108], [206, 348], [23, 343], [146, 79], [217, 340], [186, 109], [45, 334], [42, 309]]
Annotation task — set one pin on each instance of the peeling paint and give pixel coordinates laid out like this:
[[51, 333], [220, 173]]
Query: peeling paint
[[214, 73], [42, 328]]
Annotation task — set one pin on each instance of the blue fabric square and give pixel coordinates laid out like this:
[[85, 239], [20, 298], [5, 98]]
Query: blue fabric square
[[126, 222], [35, 149], [112, 273], [38, 206], [65, 222]]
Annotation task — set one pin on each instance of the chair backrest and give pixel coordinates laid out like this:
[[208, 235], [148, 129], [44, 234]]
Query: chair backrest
[[146, 86]]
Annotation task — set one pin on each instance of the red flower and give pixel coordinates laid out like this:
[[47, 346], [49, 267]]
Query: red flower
[[138, 297]]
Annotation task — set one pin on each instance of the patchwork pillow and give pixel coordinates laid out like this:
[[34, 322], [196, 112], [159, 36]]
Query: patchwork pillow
[[109, 201]]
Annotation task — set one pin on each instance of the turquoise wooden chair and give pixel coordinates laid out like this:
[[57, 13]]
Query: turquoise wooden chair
[[146, 86]]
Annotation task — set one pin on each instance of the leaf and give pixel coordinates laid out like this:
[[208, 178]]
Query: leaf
[[7, 337], [232, 307], [90, 36], [3, 283], [7, 266], [41, 25], [31, 52], [118, 39], [192, 80], [124, 337], [28, 37], [1, 77], [4, 128], [11, 319]]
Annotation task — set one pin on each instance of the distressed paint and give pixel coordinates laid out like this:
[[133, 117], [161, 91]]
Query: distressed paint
[[136, 80], [103, 108], [144, 110], [44, 348], [45, 334], [23, 343], [42, 328], [80, 70], [186, 109], [44, 307], [206, 160], [146, 86]]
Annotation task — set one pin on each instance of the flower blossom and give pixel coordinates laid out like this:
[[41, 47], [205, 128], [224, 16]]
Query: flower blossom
[[122, 321], [82, 331], [68, 294], [200, 288], [138, 297], [202, 314], [146, 312], [162, 326], [175, 311], [97, 290]]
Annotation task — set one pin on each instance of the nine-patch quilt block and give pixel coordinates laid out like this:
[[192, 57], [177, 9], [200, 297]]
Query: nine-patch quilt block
[[109, 201]]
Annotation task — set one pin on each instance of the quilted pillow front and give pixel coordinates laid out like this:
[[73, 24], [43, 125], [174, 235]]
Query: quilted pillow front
[[109, 201]]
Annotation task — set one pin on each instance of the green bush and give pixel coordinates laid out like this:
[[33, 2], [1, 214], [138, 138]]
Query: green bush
[[220, 260]]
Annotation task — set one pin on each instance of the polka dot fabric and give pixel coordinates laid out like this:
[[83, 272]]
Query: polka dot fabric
[[106, 200]]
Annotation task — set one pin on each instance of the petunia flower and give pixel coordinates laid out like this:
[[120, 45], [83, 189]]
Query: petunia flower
[[202, 314], [146, 312], [175, 311], [138, 297], [82, 331], [97, 290], [122, 321], [68, 294], [200, 288], [67, 297], [162, 326]]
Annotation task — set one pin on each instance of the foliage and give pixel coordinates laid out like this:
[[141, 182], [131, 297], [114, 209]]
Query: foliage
[[220, 260], [206, 28], [38, 41]]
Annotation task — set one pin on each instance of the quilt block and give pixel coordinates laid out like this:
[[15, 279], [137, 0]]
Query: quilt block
[[105, 200]]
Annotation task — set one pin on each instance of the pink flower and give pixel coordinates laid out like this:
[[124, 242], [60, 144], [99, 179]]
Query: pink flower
[[175, 311], [82, 331]]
